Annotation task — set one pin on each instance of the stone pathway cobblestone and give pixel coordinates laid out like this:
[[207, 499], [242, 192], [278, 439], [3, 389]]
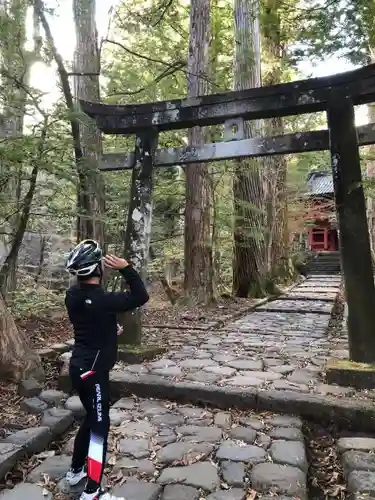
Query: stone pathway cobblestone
[[161, 450], [358, 461], [281, 345]]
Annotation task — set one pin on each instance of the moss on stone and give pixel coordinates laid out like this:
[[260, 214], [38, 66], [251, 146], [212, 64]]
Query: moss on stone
[[135, 354], [350, 373], [347, 364]]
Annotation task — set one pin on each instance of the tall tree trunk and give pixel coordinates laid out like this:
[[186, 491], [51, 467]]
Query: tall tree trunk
[[198, 247], [17, 361], [14, 72], [277, 209], [277, 225], [249, 266], [91, 192], [90, 197], [10, 262]]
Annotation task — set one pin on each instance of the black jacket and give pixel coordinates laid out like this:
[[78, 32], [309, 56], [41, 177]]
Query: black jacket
[[93, 313]]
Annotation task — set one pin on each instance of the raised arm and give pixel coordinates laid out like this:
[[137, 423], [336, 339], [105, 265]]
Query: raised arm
[[125, 301]]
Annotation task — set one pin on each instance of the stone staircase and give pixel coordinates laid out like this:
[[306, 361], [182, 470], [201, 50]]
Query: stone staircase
[[327, 263]]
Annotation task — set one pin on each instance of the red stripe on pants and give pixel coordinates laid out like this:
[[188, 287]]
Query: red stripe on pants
[[94, 469]]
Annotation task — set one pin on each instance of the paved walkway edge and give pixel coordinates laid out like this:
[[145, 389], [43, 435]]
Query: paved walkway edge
[[346, 412]]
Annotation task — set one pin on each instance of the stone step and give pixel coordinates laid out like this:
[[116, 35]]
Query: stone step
[[191, 453], [27, 491], [289, 304], [358, 462], [27, 442]]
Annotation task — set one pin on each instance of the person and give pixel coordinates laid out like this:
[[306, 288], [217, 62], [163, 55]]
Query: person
[[93, 314]]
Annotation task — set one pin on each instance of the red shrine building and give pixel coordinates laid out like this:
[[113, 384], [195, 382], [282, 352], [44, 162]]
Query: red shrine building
[[321, 219]]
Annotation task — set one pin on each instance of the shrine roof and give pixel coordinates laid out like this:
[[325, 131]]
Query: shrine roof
[[319, 183]]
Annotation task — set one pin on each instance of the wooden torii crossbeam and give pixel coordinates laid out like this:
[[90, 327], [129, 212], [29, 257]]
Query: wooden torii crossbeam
[[337, 95], [301, 142]]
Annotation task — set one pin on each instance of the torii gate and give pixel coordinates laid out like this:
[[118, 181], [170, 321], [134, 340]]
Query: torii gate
[[336, 95]]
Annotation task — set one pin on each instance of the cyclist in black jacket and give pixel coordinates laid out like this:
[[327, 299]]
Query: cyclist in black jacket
[[92, 312]]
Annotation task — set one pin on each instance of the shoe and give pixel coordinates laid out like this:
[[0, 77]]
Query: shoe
[[99, 495], [73, 478]]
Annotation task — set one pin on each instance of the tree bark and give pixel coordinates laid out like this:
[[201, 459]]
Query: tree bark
[[14, 72], [91, 192], [10, 264], [198, 281], [17, 361], [249, 266], [90, 187], [277, 209]]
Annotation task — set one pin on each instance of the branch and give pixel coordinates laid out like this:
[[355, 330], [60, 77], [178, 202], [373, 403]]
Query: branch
[[165, 10], [176, 66], [308, 10], [167, 72], [24, 87], [76, 73], [166, 238], [141, 56], [64, 78]]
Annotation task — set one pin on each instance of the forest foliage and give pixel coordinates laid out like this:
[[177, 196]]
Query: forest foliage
[[142, 56]]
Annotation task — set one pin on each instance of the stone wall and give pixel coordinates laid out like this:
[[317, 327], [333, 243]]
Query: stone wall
[[43, 255]]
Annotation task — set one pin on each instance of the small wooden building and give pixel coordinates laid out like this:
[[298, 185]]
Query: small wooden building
[[321, 220]]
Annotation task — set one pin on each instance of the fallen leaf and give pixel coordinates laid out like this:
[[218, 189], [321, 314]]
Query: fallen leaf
[[251, 495]]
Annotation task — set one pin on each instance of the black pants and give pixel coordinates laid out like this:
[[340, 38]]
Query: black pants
[[91, 439]]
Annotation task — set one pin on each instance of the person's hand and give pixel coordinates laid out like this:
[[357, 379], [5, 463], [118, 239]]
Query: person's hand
[[120, 329], [115, 262]]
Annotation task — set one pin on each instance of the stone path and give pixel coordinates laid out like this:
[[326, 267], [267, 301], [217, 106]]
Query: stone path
[[267, 360], [282, 345], [159, 450], [163, 451], [53, 419], [358, 461]]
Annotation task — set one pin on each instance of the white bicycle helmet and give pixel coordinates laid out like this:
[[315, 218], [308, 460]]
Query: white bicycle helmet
[[84, 259]]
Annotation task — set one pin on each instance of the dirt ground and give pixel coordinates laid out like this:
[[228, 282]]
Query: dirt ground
[[158, 313]]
